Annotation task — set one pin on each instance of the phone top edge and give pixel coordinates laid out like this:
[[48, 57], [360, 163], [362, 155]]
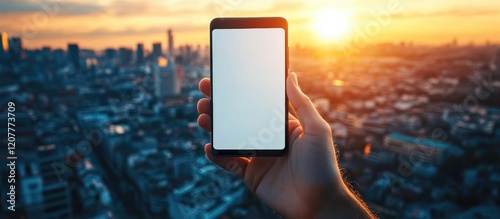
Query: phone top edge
[[248, 22]]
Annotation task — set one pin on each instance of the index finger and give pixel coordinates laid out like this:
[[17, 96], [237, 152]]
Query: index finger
[[204, 86]]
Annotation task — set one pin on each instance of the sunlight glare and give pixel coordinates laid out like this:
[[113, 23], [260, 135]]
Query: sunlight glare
[[338, 83], [332, 24]]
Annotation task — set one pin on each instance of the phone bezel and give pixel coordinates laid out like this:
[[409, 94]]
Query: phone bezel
[[247, 23]]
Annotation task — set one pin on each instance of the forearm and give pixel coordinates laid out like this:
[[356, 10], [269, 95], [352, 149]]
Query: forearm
[[345, 204]]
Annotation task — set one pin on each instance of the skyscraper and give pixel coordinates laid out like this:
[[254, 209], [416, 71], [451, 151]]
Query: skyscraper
[[4, 43], [47, 52], [187, 55], [15, 49], [166, 79], [59, 56], [110, 53], [74, 55], [170, 43], [125, 55], [31, 186], [139, 53], [496, 62], [56, 192], [25, 130], [156, 50]]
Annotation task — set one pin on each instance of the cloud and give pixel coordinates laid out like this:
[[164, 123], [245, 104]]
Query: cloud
[[55, 6], [124, 8], [143, 8], [80, 9], [110, 8], [18, 6], [272, 9], [457, 12], [131, 31]]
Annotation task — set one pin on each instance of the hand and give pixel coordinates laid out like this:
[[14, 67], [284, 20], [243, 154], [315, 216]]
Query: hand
[[305, 183]]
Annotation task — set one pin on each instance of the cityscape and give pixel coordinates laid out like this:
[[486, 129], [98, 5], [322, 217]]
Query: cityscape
[[417, 127], [112, 132]]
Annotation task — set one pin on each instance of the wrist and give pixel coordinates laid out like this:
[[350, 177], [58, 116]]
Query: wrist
[[333, 203], [342, 203]]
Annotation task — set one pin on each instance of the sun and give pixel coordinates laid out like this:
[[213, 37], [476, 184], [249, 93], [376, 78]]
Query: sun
[[331, 24]]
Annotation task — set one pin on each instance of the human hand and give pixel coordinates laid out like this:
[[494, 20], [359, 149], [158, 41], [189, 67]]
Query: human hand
[[306, 182]]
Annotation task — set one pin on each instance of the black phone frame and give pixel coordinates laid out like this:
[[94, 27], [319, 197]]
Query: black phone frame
[[246, 23]]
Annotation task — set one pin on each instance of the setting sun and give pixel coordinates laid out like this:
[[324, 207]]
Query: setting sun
[[331, 24]]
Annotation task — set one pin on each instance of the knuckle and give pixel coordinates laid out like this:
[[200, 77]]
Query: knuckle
[[323, 127]]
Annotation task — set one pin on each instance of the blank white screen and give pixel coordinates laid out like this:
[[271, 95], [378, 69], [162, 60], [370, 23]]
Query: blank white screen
[[248, 76]]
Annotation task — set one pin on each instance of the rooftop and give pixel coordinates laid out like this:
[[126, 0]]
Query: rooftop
[[422, 141]]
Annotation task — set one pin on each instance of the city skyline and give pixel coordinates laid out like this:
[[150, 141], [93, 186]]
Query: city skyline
[[118, 24]]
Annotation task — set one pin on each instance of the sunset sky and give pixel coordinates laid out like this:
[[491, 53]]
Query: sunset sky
[[117, 23]]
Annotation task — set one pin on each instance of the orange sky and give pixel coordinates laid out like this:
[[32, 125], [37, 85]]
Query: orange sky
[[117, 23]]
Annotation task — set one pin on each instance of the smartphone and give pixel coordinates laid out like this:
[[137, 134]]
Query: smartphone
[[249, 66]]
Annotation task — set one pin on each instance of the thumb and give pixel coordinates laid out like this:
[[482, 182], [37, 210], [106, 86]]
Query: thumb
[[307, 114]]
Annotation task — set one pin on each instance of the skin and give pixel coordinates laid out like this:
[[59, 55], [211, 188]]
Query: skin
[[306, 183]]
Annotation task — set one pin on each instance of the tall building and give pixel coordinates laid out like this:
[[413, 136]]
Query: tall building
[[139, 53], [125, 55], [47, 52], [31, 186], [156, 50], [4, 43], [497, 64], [25, 131], [15, 49], [56, 192], [167, 83], [188, 55], [74, 55], [110, 53], [59, 56], [170, 43], [94, 191]]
